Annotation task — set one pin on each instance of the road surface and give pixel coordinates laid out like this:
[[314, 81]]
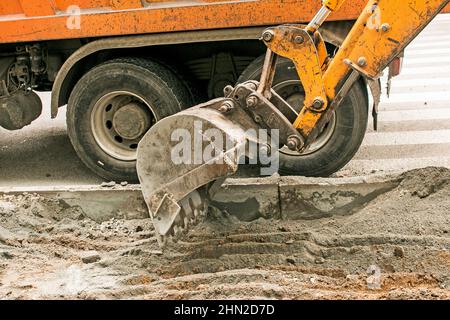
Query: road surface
[[414, 126]]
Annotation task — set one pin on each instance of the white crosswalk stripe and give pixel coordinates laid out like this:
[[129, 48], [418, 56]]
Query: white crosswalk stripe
[[416, 114], [415, 62], [414, 123]]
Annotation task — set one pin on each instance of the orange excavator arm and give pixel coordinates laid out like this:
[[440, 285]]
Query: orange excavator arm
[[380, 34]]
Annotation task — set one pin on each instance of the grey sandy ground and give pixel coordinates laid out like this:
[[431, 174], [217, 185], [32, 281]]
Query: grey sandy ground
[[51, 250]]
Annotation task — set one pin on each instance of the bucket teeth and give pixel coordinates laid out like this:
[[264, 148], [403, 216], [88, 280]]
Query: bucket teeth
[[193, 211], [176, 189]]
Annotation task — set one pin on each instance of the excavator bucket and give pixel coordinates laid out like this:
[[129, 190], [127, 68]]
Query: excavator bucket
[[184, 158], [182, 155], [180, 158]]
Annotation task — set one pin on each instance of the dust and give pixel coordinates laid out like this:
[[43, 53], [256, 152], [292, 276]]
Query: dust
[[395, 247]]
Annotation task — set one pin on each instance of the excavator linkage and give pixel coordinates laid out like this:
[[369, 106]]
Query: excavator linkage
[[185, 157]]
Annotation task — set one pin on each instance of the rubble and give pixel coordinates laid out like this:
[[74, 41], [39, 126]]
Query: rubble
[[90, 257], [62, 254]]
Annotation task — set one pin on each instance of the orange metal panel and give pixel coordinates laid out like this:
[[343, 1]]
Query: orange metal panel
[[10, 7], [38, 8], [126, 17], [93, 4]]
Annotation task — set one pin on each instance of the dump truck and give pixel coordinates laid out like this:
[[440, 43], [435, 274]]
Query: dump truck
[[122, 65]]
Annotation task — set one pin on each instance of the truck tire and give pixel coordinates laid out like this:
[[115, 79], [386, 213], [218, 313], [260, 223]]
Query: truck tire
[[112, 107], [339, 141]]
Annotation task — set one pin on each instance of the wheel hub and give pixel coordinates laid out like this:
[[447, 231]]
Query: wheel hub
[[119, 120], [131, 121]]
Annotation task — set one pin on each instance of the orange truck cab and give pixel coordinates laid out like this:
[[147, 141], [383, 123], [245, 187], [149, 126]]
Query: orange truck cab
[[121, 65]]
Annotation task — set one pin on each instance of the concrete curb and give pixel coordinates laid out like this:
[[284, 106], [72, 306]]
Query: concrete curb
[[291, 198]]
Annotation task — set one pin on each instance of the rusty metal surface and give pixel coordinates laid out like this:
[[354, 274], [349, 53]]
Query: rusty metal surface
[[23, 20], [309, 55]]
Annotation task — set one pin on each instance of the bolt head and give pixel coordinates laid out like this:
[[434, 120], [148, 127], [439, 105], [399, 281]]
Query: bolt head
[[268, 35], [223, 109], [227, 90], [292, 144], [385, 27], [362, 62], [299, 40], [265, 150], [241, 92], [252, 85], [226, 107], [252, 101], [318, 104]]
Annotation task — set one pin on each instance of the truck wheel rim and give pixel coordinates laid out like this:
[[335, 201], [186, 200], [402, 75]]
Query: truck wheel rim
[[292, 91], [119, 120]]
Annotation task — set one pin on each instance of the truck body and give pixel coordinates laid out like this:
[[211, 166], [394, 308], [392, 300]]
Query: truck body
[[65, 26], [43, 20]]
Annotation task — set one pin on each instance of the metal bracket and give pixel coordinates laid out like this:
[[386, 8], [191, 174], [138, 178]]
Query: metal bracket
[[361, 71], [4, 92], [263, 112]]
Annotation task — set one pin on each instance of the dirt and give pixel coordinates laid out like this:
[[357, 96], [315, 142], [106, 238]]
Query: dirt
[[396, 247]]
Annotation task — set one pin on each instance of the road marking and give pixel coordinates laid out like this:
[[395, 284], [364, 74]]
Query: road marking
[[411, 151], [357, 167], [414, 124], [408, 138], [415, 115], [409, 62], [420, 96], [400, 83], [427, 52], [435, 70]]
